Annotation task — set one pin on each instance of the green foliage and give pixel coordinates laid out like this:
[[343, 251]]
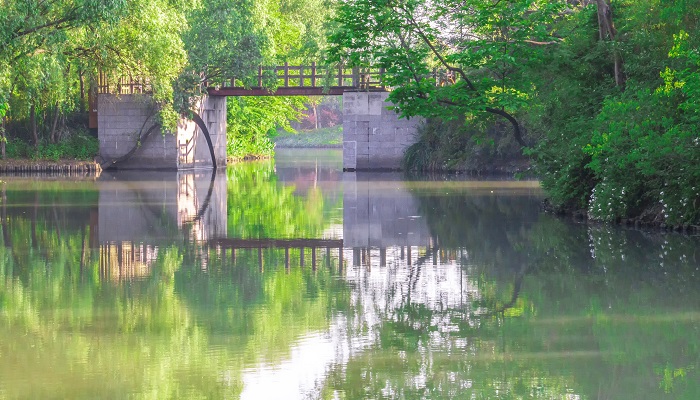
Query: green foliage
[[222, 41], [51, 50], [483, 74], [80, 146], [253, 121], [615, 148], [451, 145], [322, 137], [54, 49], [632, 153]]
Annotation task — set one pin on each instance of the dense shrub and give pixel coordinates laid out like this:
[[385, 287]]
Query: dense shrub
[[632, 151], [453, 145], [79, 146]]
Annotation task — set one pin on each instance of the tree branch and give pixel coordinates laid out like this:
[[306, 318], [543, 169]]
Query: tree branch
[[40, 27], [437, 54], [516, 126]]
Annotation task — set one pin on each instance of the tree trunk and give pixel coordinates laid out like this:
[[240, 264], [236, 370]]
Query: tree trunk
[[82, 91], [607, 32], [32, 122], [56, 114], [3, 137]]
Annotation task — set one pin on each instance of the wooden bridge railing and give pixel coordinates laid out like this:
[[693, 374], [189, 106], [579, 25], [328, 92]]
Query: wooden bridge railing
[[125, 84], [285, 80], [303, 80]]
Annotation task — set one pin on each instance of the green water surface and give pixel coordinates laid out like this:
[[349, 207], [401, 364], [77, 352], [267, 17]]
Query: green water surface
[[126, 286]]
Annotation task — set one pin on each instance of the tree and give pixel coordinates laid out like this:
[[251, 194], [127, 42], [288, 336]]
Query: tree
[[231, 41], [481, 50], [53, 47]]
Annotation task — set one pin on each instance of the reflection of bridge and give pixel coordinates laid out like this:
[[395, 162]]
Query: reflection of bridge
[[233, 244]]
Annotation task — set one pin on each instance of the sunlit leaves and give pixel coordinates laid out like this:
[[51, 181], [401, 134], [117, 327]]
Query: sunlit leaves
[[484, 44]]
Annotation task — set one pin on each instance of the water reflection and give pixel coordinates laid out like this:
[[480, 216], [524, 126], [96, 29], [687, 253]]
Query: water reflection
[[294, 280]]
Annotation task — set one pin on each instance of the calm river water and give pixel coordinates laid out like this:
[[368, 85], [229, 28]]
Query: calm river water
[[290, 279]]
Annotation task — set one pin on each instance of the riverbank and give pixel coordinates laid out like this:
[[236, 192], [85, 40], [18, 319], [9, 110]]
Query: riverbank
[[21, 166], [650, 220]]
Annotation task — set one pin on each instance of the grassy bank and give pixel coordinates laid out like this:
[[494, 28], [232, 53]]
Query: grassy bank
[[79, 146], [319, 138]]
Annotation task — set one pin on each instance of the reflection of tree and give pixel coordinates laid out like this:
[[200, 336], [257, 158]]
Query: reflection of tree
[[493, 227], [179, 330], [265, 312], [260, 207], [556, 310]]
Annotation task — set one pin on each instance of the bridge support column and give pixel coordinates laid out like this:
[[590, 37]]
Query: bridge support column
[[374, 138], [130, 137]]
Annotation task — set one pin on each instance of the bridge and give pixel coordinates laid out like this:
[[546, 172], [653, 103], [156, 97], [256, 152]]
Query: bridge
[[284, 80], [373, 135]]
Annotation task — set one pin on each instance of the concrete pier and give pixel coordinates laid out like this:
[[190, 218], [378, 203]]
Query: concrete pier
[[123, 118], [374, 137]]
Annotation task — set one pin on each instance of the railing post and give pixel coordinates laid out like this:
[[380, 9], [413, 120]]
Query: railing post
[[301, 76], [313, 74], [356, 77], [381, 78], [260, 76], [286, 74], [340, 75]]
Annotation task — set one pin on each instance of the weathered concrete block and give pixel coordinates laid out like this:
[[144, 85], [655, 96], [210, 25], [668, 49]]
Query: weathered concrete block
[[376, 102], [387, 137], [377, 130], [357, 103], [375, 120], [350, 154]]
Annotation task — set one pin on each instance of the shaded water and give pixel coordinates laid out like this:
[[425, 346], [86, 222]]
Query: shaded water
[[292, 279]]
